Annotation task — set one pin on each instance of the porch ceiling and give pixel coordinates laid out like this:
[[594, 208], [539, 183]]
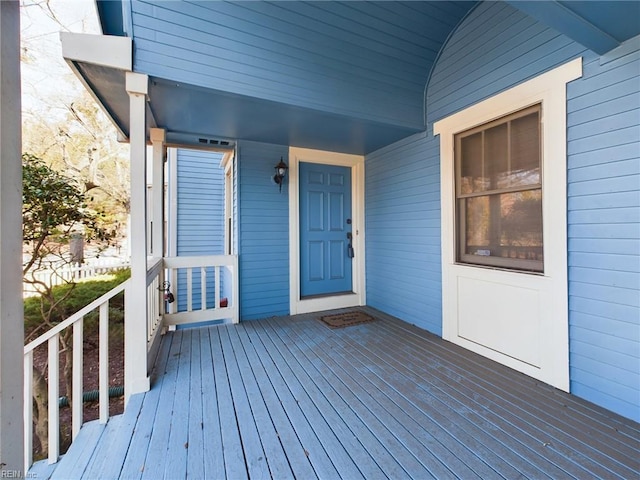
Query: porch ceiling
[[190, 113]]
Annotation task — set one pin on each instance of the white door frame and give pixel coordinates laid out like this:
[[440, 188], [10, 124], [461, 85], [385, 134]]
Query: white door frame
[[358, 297], [473, 297]]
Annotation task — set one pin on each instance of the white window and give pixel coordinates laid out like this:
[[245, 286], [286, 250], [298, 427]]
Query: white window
[[504, 226]]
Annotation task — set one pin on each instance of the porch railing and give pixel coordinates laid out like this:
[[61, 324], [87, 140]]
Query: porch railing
[[52, 338], [205, 288], [155, 301]]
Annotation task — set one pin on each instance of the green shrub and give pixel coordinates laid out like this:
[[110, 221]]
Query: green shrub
[[76, 296]]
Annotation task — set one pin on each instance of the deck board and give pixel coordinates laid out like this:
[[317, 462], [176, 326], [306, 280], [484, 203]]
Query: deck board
[[134, 461], [154, 465], [195, 439], [287, 397], [283, 424], [234, 460], [267, 436], [565, 439], [390, 454], [325, 423]]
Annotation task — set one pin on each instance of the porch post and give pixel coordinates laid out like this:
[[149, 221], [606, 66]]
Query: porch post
[[157, 140], [12, 453], [135, 338]]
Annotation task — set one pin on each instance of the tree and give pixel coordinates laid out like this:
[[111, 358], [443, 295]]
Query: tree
[[83, 145], [53, 206]]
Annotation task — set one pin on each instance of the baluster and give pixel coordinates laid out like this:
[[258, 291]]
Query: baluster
[[54, 394], [28, 410], [217, 285], [77, 384], [203, 287], [189, 289], [103, 374]]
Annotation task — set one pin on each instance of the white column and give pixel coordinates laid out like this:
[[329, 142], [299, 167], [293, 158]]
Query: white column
[[157, 140], [11, 317], [135, 341]]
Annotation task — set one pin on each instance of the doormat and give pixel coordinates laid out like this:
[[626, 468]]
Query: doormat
[[346, 319]]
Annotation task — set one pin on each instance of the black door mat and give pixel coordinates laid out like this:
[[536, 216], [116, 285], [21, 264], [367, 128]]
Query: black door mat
[[346, 319]]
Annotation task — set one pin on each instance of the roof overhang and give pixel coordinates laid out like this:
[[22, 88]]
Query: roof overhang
[[600, 26], [100, 62], [197, 116]]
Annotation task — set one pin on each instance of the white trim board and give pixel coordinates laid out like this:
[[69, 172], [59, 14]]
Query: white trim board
[[499, 294], [358, 297]]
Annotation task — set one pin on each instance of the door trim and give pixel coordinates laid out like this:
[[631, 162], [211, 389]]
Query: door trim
[[358, 297]]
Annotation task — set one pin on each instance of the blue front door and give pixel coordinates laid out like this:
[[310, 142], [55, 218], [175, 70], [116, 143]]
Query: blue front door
[[325, 229]]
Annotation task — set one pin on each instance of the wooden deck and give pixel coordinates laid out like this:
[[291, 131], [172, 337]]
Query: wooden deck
[[290, 398]]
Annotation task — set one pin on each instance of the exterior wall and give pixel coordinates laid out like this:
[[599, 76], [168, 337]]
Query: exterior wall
[[495, 48], [200, 213], [403, 232], [200, 219], [281, 52], [263, 232]]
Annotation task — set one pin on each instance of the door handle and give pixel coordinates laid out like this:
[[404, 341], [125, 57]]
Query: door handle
[[350, 252]]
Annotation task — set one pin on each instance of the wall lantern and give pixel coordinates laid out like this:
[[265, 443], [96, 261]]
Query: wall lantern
[[281, 171]]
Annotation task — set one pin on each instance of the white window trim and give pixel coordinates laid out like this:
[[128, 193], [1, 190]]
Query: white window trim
[[549, 89], [358, 297], [227, 164]]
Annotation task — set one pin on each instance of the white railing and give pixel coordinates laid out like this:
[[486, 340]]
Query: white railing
[[52, 337], [71, 273], [155, 300], [205, 289]]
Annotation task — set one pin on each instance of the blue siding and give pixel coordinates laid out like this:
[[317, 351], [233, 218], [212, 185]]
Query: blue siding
[[403, 232], [263, 232], [200, 215], [364, 59], [495, 48]]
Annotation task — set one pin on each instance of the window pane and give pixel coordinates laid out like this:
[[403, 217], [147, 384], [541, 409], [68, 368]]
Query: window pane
[[496, 156], [525, 150], [477, 223], [471, 165], [507, 226]]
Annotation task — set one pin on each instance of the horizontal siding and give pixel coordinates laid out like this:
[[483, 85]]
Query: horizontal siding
[[263, 231], [495, 48], [403, 232], [200, 185], [200, 217], [365, 60], [604, 233]]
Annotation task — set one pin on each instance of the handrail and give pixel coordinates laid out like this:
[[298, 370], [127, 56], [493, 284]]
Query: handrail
[[153, 269], [75, 317], [199, 261]]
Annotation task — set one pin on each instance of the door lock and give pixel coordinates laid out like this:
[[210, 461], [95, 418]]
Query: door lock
[[350, 252]]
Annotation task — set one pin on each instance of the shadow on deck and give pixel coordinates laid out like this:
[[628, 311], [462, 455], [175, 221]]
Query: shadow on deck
[[288, 397]]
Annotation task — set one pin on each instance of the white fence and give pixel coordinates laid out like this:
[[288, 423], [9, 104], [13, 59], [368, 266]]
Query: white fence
[[71, 273]]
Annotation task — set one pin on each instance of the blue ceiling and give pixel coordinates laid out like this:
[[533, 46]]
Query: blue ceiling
[[190, 112]]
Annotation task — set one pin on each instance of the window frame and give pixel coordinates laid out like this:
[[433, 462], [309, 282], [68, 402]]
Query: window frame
[[516, 264]]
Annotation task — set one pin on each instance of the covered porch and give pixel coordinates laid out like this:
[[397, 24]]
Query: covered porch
[[288, 397]]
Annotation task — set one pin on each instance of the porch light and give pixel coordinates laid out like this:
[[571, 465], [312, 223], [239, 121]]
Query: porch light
[[281, 171]]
